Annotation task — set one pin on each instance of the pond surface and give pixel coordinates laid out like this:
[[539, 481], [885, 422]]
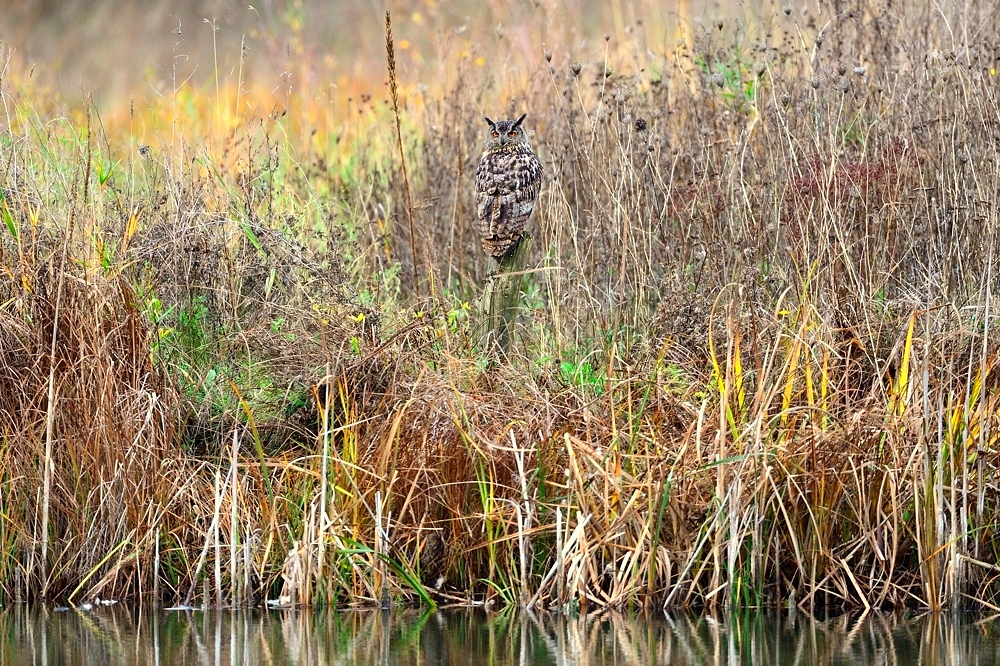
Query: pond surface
[[116, 635]]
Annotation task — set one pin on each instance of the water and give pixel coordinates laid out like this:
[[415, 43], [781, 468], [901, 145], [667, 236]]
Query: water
[[116, 635]]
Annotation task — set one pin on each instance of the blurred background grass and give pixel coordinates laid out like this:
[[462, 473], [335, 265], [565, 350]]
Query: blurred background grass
[[125, 51], [153, 69]]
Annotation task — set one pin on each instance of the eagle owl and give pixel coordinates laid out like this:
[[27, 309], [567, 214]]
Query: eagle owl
[[507, 184]]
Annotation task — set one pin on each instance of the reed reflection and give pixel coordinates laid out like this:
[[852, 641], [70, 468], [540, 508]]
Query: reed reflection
[[120, 636]]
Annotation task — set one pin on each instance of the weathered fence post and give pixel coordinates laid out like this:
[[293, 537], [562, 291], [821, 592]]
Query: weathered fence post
[[502, 298]]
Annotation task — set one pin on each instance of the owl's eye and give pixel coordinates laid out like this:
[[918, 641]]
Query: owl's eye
[[496, 133], [511, 134]]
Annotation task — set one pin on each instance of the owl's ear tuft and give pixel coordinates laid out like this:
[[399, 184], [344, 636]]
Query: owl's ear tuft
[[517, 123], [492, 124]]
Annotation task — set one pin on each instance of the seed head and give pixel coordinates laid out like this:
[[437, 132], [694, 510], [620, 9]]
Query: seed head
[[718, 79], [787, 9], [640, 124], [548, 56], [575, 68]]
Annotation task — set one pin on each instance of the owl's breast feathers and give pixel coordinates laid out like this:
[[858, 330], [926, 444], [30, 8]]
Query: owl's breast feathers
[[507, 184]]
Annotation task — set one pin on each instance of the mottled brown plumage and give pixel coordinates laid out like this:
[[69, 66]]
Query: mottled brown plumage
[[507, 184]]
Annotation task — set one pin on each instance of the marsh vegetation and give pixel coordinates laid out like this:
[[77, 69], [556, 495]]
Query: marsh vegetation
[[755, 363]]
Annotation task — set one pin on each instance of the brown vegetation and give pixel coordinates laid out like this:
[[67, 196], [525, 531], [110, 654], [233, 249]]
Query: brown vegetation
[[754, 365]]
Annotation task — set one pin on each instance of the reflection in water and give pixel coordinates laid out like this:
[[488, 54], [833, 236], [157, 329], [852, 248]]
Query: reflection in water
[[119, 636]]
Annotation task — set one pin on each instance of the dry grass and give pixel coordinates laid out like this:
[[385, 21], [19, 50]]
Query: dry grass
[[754, 366]]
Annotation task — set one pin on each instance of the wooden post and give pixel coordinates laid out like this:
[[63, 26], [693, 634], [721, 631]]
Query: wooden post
[[501, 298]]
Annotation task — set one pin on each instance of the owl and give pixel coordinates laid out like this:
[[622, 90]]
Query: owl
[[507, 183]]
